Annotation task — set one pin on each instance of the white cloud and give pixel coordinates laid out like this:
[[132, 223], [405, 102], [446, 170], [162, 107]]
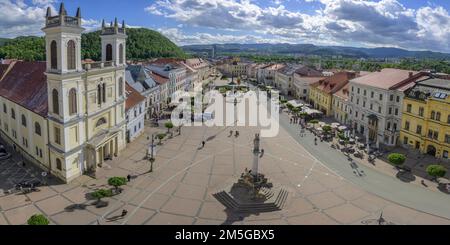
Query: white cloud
[[18, 18], [345, 22]]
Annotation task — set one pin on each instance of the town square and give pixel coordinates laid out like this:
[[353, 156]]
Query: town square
[[120, 126]]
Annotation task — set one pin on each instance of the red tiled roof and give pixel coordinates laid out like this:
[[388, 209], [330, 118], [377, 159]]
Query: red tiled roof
[[308, 72], [158, 78], [334, 83], [386, 78], [308, 80], [3, 69], [163, 61], [133, 97], [26, 84], [344, 92]]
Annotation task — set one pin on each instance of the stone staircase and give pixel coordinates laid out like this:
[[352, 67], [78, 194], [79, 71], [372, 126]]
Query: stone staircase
[[271, 204]]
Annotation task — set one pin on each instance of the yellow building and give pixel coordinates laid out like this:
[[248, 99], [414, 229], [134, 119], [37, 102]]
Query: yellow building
[[64, 116], [426, 117], [321, 92]]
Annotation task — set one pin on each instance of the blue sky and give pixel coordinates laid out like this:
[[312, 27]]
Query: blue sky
[[411, 24]]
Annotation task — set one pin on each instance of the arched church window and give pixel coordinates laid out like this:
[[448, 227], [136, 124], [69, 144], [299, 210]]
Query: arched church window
[[71, 55], [73, 101], [55, 100], [121, 53], [53, 55], [109, 52], [100, 122]]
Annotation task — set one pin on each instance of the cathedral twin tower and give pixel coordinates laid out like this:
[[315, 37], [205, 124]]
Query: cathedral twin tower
[[63, 41], [86, 102]]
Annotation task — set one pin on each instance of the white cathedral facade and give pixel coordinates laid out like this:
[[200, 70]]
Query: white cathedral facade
[[82, 122]]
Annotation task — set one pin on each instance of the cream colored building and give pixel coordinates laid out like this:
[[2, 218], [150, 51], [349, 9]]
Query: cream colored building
[[341, 105], [67, 117]]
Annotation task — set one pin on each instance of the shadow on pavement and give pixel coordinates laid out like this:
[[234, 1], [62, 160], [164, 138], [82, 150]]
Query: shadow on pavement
[[405, 176]]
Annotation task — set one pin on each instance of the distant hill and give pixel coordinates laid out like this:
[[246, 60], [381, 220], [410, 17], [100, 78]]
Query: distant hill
[[3, 40], [141, 44], [310, 49]]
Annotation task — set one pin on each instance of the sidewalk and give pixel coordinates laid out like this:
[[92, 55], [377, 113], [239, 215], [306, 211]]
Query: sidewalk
[[417, 162]]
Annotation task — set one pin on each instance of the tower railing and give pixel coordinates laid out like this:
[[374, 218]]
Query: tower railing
[[98, 65], [66, 21]]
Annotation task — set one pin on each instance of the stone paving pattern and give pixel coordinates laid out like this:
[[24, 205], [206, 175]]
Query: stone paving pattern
[[180, 189]]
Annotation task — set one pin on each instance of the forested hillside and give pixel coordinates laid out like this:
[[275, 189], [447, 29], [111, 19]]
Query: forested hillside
[[141, 44]]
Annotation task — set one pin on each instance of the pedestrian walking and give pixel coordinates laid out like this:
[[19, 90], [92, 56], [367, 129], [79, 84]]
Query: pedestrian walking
[[231, 133], [129, 178], [203, 144], [124, 213]]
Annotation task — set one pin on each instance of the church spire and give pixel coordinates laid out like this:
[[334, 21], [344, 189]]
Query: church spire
[[62, 9], [78, 15], [49, 12]]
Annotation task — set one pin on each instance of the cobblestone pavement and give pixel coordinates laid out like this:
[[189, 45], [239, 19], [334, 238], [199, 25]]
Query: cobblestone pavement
[[179, 190]]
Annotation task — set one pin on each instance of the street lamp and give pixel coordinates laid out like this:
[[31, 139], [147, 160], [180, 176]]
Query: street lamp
[[152, 156]]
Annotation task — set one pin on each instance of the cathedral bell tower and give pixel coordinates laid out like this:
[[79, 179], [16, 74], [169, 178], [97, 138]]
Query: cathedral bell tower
[[114, 43], [63, 41]]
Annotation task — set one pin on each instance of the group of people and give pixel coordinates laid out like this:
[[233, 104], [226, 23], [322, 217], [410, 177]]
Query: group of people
[[236, 133], [296, 120]]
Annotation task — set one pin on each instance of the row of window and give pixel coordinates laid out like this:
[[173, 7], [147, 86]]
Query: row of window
[[380, 96], [417, 146], [73, 105], [433, 115], [37, 126], [432, 134], [72, 57]]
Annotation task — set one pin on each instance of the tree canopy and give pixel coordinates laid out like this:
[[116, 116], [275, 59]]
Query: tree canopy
[[141, 44]]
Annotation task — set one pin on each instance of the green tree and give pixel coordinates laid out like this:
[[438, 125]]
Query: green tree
[[289, 106], [117, 182], [436, 171], [38, 219], [326, 129], [142, 44], [397, 159], [160, 138], [101, 193], [169, 126]]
